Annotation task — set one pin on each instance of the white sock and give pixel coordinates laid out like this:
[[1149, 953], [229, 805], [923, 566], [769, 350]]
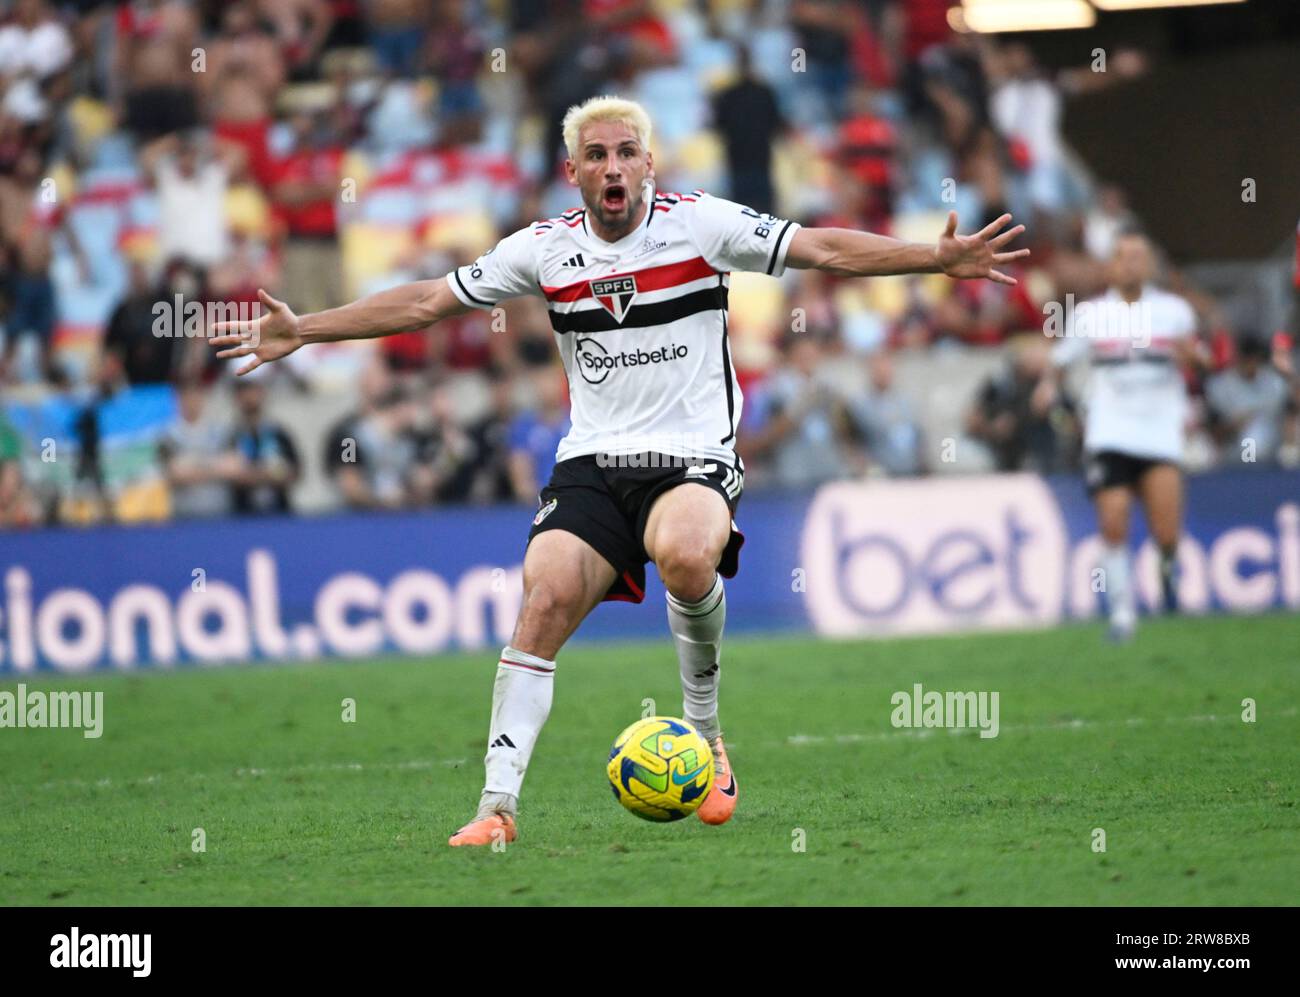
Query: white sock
[[697, 633], [1119, 587], [521, 701]]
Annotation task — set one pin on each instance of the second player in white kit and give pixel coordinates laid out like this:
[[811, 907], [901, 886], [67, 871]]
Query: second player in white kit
[[1136, 339]]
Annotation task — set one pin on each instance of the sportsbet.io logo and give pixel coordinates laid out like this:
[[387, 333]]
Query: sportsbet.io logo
[[595, 362]]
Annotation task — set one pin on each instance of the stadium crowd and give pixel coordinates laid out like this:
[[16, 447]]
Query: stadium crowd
[[160, 152]]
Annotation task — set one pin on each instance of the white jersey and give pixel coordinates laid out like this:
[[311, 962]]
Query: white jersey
[[1136, 399], [641, 323]]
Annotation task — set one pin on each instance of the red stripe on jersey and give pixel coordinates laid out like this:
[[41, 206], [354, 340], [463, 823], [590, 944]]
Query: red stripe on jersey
[[651, 279]]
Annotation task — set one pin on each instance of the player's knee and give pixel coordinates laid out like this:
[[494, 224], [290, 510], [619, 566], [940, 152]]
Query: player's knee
[[687, 569], [549, 600]]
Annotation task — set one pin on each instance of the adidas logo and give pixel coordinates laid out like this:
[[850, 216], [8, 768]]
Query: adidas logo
[[502, 741], [574, 261], [700, 470]]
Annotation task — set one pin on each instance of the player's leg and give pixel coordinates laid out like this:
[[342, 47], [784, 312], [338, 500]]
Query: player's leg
[[1161, 491], [564, 579], [1114, 507], [686, 533]]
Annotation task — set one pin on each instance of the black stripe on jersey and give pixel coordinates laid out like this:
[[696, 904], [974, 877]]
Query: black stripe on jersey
[[771, 264], [466, 289], [643, 316], [726, 372]]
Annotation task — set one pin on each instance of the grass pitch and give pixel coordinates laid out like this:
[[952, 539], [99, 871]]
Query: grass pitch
[[1145, 742]]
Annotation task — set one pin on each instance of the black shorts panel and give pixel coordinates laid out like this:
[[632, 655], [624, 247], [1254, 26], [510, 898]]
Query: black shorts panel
[[1112, 469], [607, 501]]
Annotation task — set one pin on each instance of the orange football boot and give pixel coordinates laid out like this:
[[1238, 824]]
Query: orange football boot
[[485, 830], [720, 804]]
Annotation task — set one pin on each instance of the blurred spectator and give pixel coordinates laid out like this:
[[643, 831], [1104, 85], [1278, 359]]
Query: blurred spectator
[[984, 313], [747, 116], [397, 34], [1016, 422], [196, 462], [1027, 110], [490, 436], [885, 420], [301, 27], [267, 462], [244, 46], [34, 49], [306, 190], [866, 151], [1248, 406], [89, 499], [18, 505], [535, 434], [824, 29], [31, 215], [191, 173], [444, 468], [132, 337], [154, 50], [639, 38], [345, 460], [456, 54], [803, 428]]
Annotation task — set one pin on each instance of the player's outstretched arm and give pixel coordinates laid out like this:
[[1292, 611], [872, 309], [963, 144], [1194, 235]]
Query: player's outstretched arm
[[277, 332], [847, 253]]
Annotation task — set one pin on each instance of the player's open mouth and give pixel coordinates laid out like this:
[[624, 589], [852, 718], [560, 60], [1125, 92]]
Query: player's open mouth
[[614, 198]]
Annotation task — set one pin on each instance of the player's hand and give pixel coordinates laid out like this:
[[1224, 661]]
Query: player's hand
[[270, 336], [975, 256]]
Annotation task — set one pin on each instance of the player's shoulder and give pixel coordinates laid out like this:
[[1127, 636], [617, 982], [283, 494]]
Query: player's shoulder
[[546, 231], [1166, 297], [668, 201], [1172, 304]]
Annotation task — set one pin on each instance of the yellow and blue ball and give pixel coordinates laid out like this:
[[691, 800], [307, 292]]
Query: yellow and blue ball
[[661, 768]]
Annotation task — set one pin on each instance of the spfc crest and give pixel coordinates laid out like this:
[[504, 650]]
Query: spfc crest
[[615, 295]]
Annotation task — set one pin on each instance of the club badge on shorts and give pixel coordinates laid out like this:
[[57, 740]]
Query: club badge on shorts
[[545, 511]]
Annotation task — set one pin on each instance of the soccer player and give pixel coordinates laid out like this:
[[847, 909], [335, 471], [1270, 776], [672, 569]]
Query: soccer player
[[636, 284], [1136, 338]]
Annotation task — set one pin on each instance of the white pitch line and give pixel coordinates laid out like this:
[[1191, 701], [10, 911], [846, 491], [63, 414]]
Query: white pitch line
[[1076, 724], [253, 772]]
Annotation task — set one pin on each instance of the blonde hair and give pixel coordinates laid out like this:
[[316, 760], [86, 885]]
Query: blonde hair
[[606, 108]]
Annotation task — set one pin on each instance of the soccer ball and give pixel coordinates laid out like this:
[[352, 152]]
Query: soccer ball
[[661, 768]]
